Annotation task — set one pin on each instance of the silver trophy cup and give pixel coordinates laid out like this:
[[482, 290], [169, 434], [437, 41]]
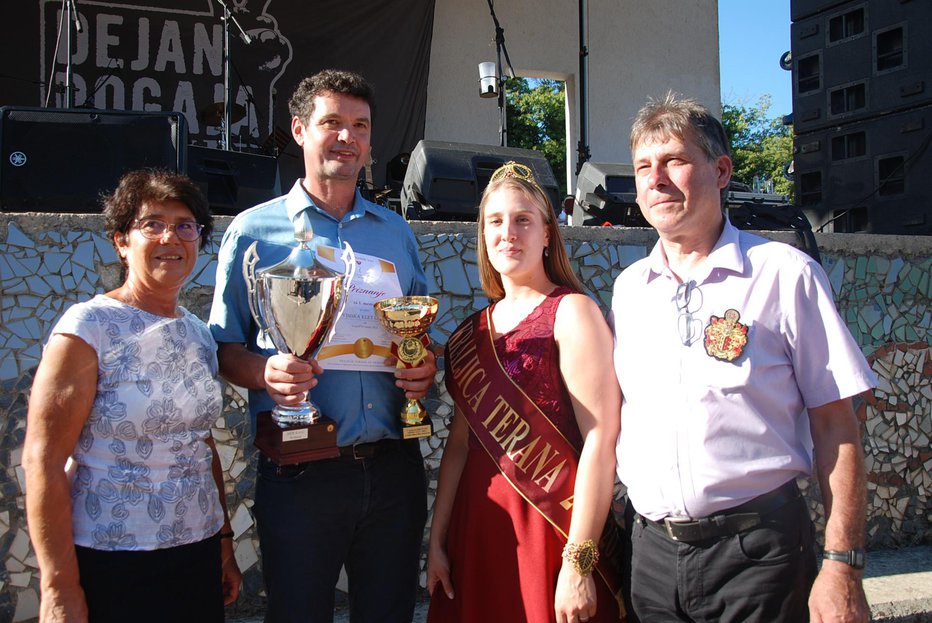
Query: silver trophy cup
[[297, 303]]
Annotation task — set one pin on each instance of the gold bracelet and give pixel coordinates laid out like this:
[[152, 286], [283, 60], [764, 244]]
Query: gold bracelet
[[583, 556]]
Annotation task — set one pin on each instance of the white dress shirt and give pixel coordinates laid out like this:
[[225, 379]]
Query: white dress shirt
[[701, 434]]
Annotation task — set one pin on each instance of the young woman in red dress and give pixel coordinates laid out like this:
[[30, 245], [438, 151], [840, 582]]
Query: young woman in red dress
[[521, 521]]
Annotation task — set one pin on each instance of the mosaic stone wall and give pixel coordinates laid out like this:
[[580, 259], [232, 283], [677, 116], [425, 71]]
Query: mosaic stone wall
[[883, 286]]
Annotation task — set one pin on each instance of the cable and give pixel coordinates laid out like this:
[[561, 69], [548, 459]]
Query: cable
[[51, 85], [906, 161]]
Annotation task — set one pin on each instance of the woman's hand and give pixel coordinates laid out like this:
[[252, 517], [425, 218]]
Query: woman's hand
[[232, 577], [575, 597], [63, 606], [438, 570]]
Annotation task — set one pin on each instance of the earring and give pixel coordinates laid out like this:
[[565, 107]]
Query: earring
[[546, 251]]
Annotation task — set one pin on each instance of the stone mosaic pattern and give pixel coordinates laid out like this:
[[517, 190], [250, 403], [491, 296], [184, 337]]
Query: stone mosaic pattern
[[48, 262]]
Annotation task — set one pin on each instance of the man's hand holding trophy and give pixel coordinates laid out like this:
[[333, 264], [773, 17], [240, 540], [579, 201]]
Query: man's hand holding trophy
[[297, 303], [409, 317]]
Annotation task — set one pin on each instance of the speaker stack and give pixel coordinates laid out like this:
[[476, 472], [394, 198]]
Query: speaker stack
[[862, 113]]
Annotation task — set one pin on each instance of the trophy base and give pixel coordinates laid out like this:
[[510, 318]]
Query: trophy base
[[414, 431], [291, 444]]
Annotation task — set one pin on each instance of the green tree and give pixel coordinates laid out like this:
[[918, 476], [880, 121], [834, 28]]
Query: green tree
[[536, 119], [760, 146]]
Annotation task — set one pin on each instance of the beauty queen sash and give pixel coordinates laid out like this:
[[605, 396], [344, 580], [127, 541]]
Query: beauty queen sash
[[529, 450]]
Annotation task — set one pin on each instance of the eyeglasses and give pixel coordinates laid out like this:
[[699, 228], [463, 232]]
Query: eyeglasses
[[154, 229], [688, 302]]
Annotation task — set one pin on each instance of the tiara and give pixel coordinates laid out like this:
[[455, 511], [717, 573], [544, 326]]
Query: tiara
[[513, 169]]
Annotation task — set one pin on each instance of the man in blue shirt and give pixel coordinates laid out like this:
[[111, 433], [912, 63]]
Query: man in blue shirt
[[366, 508]]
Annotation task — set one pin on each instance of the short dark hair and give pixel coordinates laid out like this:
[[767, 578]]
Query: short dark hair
[[122, 206], [301, 104]]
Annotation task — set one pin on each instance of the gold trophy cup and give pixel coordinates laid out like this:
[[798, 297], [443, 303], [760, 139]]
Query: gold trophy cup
[[409, 317]]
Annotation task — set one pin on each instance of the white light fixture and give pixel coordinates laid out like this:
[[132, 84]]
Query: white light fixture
[[488, 80]]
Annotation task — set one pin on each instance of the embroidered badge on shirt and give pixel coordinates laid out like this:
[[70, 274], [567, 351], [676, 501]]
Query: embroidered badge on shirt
[[725, 338]]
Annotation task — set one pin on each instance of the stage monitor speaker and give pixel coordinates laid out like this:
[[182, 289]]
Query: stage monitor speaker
[[62, 160], [444, 181], [395, 172], [606, 194], [233, 181]]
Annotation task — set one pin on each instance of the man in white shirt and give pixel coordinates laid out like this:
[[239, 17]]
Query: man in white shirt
[[735, 366]]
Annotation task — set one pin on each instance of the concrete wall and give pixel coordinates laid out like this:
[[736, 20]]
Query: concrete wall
[[883, 286], [635, 50]]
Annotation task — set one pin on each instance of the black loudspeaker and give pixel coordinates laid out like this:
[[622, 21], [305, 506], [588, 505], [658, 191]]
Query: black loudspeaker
[[860, 60], [800, 9], [395, 171], [870, 176], [61, 160], [444, 181], [606, 193], [233, 181]]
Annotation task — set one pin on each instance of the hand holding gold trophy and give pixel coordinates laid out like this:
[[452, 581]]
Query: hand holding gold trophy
[[409, 317]]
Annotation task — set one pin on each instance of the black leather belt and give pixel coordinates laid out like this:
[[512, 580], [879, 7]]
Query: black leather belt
[[728, 522], [368, 450]]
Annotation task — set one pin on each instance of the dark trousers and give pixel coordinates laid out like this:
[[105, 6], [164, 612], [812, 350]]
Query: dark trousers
[[762, 575], [179, 584], [368, 514]]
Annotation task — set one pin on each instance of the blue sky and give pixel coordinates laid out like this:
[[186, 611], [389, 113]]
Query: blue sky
[[752, 36]]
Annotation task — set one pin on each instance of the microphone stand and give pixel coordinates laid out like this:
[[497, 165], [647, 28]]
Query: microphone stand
[[500, 49], [250, 99], [227, 83], [69, 13]]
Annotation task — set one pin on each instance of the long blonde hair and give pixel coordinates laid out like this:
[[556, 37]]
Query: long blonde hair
[[556, 263]]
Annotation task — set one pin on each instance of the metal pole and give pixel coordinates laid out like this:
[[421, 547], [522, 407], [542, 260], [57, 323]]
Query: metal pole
[[70, 14], [502, 102], [583, 146], [227, 82]]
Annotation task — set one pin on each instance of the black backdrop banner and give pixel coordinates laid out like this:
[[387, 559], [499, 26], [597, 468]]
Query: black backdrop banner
[[167, 55]]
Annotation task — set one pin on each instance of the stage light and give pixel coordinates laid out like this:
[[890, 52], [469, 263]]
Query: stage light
[[488, 80]]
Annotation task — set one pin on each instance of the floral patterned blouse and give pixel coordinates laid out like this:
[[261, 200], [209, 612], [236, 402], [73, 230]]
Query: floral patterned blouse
[[143, 479]]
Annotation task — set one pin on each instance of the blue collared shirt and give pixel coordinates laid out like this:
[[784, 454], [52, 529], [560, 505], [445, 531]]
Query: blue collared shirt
[[365, 405]]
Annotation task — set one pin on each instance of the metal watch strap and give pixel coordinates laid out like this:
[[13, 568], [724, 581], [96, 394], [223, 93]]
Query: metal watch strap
[[852, 557]]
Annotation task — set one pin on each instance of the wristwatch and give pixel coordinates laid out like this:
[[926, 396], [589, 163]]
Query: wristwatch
[[852, 557]]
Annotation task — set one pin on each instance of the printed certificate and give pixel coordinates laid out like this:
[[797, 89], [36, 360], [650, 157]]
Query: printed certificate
[[359, 342]]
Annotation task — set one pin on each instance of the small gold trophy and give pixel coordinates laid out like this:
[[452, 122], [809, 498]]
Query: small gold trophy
[[409, 317]]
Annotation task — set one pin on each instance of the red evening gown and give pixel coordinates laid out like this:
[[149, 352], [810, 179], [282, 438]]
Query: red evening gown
[[504, 556]]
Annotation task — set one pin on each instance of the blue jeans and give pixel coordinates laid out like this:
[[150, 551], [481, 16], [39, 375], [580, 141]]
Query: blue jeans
[[368, 514]]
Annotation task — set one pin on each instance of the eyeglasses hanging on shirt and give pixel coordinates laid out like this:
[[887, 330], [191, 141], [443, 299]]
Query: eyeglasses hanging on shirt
[[688, 302]]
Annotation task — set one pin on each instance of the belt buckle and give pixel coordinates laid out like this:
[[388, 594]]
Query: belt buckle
[[670, 522], [364, 450]]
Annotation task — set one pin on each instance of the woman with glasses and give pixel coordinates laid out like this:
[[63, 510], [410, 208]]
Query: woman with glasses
[[521, 528], [124, 493]]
